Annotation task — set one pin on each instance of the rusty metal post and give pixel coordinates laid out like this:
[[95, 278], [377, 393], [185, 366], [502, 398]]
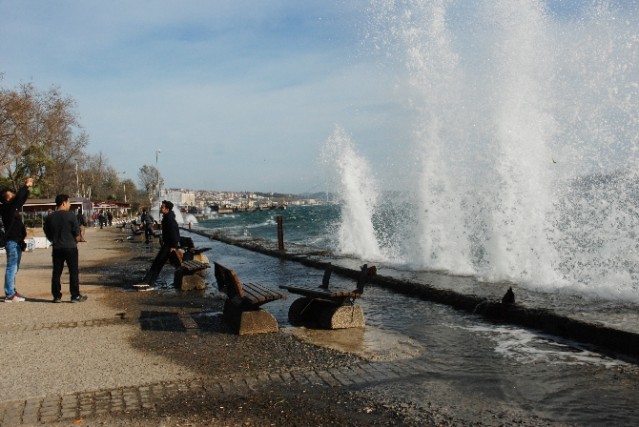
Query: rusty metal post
[[280, 233]]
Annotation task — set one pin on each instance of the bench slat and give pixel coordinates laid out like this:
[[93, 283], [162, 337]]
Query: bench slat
[[321, 293], [250, 294], [193, 265], [259, 293]]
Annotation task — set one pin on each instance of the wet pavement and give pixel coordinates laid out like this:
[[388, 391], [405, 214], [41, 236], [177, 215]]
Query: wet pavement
[[426, 363]]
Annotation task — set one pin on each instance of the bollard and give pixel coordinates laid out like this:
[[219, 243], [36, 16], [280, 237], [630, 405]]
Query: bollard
[[189, 225], [280, 233]]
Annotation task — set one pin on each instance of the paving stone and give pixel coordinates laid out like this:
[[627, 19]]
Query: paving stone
[[341, 378], [314, 379], [299, 378], [286, 377], [30, 418], [47, 419], [358, 376], [328, 378]]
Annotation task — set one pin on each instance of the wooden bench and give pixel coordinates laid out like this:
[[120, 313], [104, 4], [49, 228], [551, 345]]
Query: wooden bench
[[190, 266], [329, 308], [242, 308], [189, 275], [189, 249], [136, 230], [193, 266]]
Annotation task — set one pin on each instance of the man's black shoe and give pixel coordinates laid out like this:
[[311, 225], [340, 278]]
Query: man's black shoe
[[79, 298], [57, 300]]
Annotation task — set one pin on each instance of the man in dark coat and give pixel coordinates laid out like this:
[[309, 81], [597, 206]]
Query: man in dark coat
[[63, 231], [15, 233], [170, 243]]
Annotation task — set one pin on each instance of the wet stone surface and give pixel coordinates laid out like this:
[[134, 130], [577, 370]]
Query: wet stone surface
[[262, 380]]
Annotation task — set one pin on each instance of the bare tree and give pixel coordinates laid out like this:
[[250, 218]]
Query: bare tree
[[40, 136], [150, 181], [20, 127]]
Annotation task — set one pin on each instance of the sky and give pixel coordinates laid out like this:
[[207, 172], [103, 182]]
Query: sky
[[243, 95], [226, 95]]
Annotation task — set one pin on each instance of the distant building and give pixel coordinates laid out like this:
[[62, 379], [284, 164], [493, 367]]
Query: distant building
[[180, 197]]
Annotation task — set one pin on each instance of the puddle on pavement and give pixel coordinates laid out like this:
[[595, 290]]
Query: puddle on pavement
[[369, 343]]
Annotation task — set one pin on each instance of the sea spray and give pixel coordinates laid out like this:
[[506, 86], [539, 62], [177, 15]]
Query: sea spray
[[519, 247], [525, 137], [357, 190]]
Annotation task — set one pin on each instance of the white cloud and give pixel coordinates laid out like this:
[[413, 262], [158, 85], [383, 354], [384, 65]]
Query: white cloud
[[238, 95]]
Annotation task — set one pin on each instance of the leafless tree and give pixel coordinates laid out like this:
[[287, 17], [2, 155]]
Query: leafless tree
[[40, 136], [150, 181]]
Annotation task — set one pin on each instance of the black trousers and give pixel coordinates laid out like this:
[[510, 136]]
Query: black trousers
[[70, 256], [148, 232], [156, 267]]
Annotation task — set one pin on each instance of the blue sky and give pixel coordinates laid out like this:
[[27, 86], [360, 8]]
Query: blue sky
[[237, 95], [242, 95]]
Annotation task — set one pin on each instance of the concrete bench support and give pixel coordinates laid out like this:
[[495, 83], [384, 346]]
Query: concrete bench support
[[242, 311], [326, 308]]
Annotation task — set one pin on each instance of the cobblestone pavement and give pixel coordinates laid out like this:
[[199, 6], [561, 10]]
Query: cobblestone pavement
[[80, 405]]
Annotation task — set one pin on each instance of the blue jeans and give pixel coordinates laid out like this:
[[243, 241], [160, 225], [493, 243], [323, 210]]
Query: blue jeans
[[14, 255]]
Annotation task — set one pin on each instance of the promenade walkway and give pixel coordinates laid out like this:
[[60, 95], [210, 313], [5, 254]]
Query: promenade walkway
[[122, 353]]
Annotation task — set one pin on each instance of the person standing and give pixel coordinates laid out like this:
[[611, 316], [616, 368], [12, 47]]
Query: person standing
[[63, 231], [170, 243], [82, 223], [102, 219], [147, 223], [15, 233]]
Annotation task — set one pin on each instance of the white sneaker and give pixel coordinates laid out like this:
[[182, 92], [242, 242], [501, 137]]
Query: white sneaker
[[14, 298]]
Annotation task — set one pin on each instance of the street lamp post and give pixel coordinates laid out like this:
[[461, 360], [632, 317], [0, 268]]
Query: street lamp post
[[157, 172], [123, 186]]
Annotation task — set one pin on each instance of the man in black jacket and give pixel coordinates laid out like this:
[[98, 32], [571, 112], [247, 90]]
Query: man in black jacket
[[15, 233], [63, 231], [170, 244]]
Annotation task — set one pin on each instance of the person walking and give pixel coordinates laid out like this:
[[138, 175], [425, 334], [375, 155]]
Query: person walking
[[170, 244], [15, 233], [63, 231]]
